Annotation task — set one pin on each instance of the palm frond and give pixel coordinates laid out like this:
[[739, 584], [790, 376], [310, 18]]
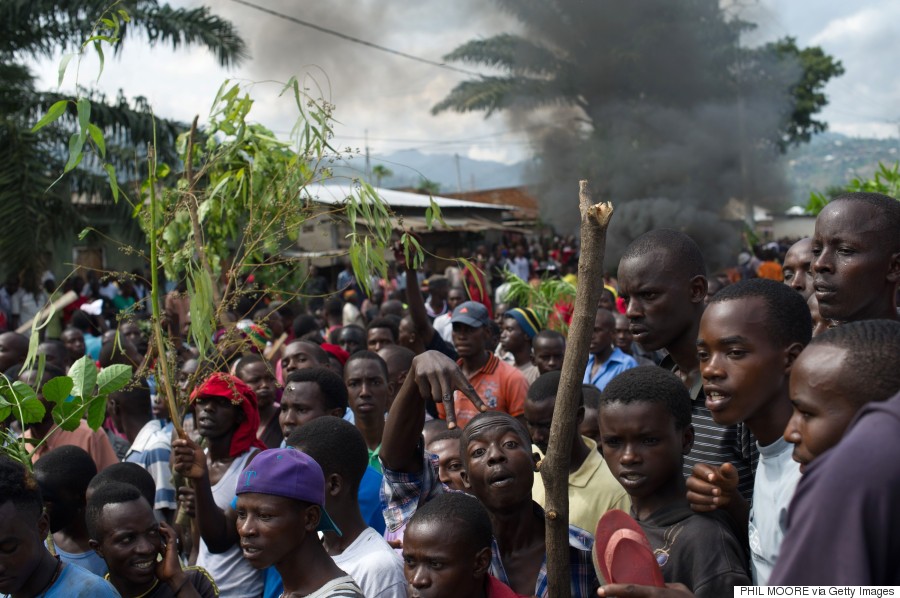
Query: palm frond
[[497, 93], [511, 52]]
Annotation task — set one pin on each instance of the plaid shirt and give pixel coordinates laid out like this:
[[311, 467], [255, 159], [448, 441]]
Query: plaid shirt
[[402, 492]]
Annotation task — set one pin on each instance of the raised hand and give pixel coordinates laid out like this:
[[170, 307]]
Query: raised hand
[[189, 459], [437, 376], [710, 488]]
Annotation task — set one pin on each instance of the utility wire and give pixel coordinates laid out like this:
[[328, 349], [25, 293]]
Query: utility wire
[[356, 40]]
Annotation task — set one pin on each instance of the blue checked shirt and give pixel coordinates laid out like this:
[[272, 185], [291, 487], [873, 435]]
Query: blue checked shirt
[[401, 494]]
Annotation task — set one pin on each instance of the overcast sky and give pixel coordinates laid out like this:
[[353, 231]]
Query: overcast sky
[[390, 97]]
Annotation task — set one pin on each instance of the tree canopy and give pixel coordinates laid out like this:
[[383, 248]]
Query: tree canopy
[[591, 55], [33, 212]]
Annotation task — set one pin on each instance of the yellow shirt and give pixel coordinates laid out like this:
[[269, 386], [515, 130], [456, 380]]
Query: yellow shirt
[[592, 490]]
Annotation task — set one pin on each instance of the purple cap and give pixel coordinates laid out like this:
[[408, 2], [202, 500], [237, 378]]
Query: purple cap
[[289, 473], [470, 313]]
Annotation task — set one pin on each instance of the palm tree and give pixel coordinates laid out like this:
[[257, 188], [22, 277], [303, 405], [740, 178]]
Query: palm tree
[[31, 215], [594, 55], [380, 172]]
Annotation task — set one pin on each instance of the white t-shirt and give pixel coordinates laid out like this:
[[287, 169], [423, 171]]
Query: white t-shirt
[[374, 566], [234, 575], [341, 587], [444, 327], [777, 475]]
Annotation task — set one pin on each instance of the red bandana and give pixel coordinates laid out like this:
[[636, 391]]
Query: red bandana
[[235, 390]]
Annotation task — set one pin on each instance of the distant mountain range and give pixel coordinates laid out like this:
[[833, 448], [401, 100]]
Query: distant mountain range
[[830, 159], [410, 167]]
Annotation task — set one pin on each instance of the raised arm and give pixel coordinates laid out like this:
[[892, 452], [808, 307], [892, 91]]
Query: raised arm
[[414, 299], [434, 375], [217, 527]]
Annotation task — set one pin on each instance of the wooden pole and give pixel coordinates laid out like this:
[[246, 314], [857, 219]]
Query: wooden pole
[[555, 466]]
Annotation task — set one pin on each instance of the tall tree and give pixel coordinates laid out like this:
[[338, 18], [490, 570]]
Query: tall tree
[[31, 212], [590, 55], [656, 101]]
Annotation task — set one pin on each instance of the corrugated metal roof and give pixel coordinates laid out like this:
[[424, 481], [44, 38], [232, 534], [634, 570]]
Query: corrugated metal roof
[[337, 194]]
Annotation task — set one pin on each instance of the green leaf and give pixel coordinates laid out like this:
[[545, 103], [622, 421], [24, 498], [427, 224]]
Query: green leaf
[[97, 136], [67, 415], [98, 47], [113, 182], [84, 114], [22, 391], [63, 64], [84, 377], [5, 412], [84, 233], [76, 143], [53, 113], [58, 389], [112, 378], [33, 411], [96, 412]]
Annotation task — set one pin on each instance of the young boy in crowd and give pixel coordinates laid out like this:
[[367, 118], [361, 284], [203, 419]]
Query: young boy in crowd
[[797, 267], [605, 361], [501, 386], [302, 354], [368, 393], [125, 533], [151, 442], [549, 349], [63, 475], [226, 416], [662, 279], [359, 550], [826, 382], [750, 336], [258, 374], [398, 360], [592, 488], [447, 552], [856, 253], [645, 427], [26, 567], [498, 469], [280, 509], [590, 425], [517, 331], [843, 524], [381, 332], [310, 393]]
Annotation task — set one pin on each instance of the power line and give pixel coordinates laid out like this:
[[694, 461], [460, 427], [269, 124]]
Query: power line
[[356, 40]]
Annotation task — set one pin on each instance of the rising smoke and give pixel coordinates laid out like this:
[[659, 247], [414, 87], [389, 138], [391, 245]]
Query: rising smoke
[[667, 118]]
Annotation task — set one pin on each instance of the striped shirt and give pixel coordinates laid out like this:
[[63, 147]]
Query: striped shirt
[[151, 449], [715, 444]]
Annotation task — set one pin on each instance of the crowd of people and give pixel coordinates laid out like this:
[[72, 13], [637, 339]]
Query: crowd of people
[[389, 444]]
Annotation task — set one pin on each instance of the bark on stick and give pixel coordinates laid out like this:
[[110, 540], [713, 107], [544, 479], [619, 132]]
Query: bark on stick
[[555, 466]]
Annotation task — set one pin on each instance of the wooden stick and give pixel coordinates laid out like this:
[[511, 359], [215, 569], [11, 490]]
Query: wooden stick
[[555, 466], [57, 305], [268, 353]]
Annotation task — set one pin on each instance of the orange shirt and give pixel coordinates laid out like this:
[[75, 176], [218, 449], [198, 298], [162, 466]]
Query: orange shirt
[[770, 270], [501, 386], [95, 443]]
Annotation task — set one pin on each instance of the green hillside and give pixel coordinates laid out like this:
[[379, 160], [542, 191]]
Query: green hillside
[[832, 160]]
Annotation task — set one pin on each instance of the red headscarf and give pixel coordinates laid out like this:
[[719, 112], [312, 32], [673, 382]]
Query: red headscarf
[[338, 353], [235, 390]]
